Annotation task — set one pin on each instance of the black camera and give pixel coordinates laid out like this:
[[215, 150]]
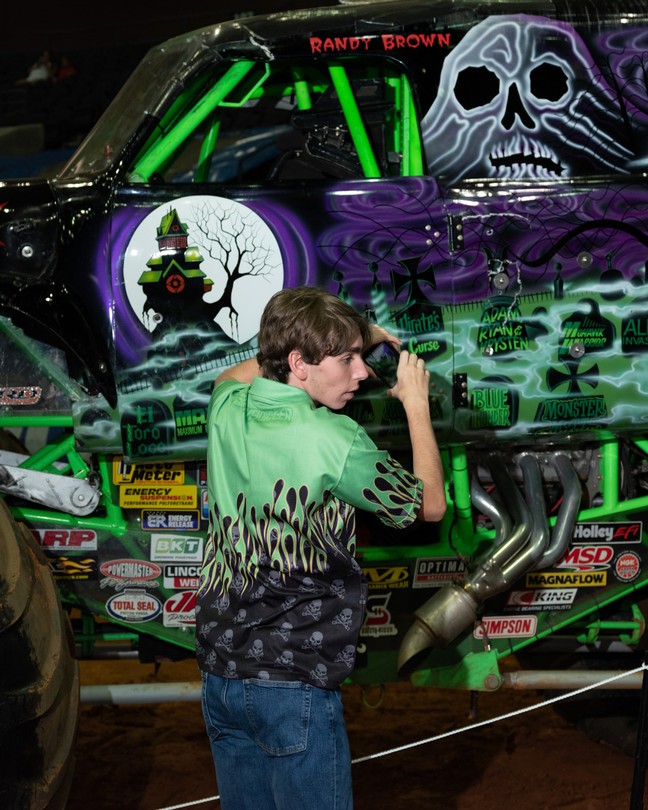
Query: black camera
[[383, 360]]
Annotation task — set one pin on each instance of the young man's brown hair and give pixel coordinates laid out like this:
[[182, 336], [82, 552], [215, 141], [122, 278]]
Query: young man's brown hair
[[310, 320]]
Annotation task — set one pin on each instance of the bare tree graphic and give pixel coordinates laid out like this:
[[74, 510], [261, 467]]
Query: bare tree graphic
[[234, 239]]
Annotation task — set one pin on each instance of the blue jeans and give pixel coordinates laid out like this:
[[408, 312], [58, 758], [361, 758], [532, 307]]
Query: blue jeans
[[277, 745]]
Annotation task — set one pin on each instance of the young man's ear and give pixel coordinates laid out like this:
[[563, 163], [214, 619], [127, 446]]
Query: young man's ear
[[298, 365]]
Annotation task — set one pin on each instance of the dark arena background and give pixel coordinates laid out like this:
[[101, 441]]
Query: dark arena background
[[104, 42]]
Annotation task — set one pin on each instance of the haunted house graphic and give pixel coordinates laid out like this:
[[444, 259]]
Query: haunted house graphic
[[174, 284]]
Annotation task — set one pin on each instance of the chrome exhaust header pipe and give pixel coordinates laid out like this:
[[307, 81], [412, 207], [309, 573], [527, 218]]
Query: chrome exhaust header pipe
[[526, 545]]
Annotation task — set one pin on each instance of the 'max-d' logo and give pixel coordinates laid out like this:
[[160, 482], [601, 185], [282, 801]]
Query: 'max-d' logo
[[176, 548], [190, 421]]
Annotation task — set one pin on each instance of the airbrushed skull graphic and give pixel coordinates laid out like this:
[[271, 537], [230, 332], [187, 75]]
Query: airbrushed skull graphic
[[521, 97]]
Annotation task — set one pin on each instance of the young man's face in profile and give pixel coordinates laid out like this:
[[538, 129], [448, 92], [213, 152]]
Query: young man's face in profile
[[335, 379]]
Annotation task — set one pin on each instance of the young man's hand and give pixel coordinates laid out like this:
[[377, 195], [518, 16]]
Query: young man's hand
[[413, 380], [380, 334]]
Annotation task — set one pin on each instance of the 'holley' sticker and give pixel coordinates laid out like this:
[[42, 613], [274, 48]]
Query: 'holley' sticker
[[172, 497], [134, 606], [622, 532]]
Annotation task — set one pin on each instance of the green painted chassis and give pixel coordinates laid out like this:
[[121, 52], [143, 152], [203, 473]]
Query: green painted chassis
[[466, 664]]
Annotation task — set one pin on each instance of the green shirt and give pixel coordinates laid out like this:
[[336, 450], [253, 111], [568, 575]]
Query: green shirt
[[281, 594]]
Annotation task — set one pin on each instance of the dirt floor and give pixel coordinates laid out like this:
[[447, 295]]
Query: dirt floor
[[153, 756]]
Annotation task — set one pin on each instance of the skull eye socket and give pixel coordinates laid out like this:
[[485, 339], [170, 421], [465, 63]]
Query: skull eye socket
[[476, 87], [548, 81]]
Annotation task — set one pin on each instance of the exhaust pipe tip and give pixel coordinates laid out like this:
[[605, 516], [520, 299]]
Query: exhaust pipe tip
[[418, 641], [438, 622]]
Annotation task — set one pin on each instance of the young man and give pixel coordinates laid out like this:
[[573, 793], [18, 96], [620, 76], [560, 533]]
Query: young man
[[282, 598]]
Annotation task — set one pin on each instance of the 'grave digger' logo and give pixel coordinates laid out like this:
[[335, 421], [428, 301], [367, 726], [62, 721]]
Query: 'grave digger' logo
[[202, 261]]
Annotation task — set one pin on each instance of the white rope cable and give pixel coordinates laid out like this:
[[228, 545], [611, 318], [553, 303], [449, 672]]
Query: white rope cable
[[461, 730], [499, 717]]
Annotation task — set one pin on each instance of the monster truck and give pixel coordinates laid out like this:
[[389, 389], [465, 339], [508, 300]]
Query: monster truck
[[470, 177]]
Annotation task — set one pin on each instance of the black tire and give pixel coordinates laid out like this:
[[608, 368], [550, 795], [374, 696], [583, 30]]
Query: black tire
[[39, 678]]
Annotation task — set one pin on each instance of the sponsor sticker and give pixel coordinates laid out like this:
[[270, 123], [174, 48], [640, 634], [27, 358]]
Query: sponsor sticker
[[378, 620], [67, 540], [567, 579], [549, 599], [176, 548], [180, 577], [624, 532], [180, 610], [432, 572], [134, 606], [387, 577], [154, 473], [121, 574], [506, 627], [172, 521], [204, 504], [73, 568], [627, 566], [163, 495], [587, 558]]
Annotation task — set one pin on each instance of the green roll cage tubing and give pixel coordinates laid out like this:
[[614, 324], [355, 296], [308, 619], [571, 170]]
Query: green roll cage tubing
[[60, 457]]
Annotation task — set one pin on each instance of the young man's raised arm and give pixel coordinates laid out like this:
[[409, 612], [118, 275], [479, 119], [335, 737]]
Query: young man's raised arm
[[412, 389]]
